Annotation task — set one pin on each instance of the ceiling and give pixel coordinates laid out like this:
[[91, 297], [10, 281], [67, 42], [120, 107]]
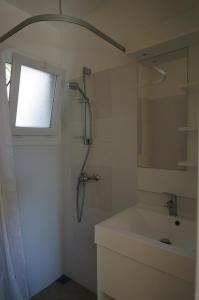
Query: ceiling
[[78, 8], [83, 8]]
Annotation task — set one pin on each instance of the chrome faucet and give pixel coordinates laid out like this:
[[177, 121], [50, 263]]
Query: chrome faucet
[[172, 204]]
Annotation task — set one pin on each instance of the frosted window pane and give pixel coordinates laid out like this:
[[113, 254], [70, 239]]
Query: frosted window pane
[[35, 99]]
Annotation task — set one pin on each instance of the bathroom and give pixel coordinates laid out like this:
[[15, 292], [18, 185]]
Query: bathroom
[[62, 256]]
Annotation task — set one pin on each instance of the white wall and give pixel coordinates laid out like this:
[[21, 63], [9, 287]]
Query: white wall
[[113, 157], [39, 186]]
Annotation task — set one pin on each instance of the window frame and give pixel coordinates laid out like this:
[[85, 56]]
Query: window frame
[[17, 62], [8, 83]]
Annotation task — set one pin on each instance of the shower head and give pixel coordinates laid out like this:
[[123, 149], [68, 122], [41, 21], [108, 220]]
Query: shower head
[[72, 85]]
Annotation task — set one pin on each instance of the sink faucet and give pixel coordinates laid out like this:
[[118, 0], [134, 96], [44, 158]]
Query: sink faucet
[[172, 204]]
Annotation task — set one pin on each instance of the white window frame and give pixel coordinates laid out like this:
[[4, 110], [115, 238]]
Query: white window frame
[[17, 62]]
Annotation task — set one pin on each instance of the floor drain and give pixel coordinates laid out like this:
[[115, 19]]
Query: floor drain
[[165, 241]]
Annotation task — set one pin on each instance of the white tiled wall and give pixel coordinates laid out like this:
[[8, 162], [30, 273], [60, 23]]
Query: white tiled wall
[[113, 157]]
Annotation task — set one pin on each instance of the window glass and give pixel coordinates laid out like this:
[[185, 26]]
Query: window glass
[[8, 69], [35, 98]]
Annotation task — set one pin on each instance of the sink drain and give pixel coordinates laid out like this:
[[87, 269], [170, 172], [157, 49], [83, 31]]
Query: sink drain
[[165, 241]]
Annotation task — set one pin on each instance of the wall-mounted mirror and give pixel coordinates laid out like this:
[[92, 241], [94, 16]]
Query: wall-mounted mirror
[[162, 111]]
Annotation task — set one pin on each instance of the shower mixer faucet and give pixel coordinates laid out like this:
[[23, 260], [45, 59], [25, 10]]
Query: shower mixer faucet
[[84, 177]]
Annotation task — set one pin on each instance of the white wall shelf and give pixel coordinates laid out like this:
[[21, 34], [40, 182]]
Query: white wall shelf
[[187, 163], [171, 96], [190, 86], [188, 129]]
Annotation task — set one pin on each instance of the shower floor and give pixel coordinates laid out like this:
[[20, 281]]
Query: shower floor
[[68, 291]]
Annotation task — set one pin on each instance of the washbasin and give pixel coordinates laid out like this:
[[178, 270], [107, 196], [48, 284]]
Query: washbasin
[[143, 234]]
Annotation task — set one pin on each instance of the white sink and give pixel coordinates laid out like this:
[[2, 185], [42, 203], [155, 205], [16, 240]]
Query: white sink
[[136, 233]]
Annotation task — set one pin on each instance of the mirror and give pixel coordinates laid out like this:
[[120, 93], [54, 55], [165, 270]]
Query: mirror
[[162, 111]]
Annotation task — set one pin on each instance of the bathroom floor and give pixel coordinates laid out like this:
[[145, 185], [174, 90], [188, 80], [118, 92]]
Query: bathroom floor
[[68, 291]]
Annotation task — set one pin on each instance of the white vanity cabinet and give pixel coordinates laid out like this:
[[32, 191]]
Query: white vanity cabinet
[[134, 265]]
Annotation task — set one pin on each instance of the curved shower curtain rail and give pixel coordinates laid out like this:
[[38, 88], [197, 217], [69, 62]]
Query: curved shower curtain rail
[[61, 18]]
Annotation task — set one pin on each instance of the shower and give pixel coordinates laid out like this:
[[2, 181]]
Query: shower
[[83, 177]]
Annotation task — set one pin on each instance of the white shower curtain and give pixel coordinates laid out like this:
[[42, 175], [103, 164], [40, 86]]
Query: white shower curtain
[[13, 282]]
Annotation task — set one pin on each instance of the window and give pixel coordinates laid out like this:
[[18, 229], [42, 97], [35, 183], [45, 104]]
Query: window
[[33, 97]]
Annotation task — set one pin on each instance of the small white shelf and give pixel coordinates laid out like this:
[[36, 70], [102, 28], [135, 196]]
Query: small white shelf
[[188, 129], [190, 87], [179, 94], [187, 163]]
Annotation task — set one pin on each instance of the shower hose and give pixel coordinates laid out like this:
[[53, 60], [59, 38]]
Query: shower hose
[[81, 182]]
